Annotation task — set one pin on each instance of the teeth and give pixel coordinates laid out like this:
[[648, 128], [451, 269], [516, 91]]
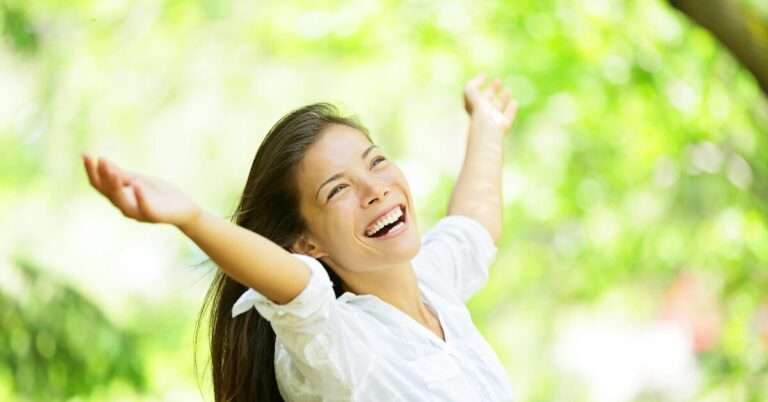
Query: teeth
[[396, 227], [391, 217]]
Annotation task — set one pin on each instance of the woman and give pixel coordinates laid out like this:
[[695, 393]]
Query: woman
[[326, 292]]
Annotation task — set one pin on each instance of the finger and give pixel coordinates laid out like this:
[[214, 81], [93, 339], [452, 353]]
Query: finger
[[477, 81], [501, 103], [493, 89], [90, 169], [511, 112], [102, 170], [118, 194], [130, 196], [480, 79], [110, 180], [129, 200], [141, 200]]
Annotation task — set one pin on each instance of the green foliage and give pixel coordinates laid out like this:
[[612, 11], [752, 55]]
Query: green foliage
[[57, 344], [17, 29]]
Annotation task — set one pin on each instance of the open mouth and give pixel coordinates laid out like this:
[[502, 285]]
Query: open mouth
[[391, 227]]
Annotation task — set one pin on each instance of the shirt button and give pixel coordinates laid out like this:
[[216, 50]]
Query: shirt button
[[280, 312]]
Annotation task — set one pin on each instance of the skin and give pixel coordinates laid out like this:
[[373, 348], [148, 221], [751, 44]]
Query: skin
[[335, 227], [477, 193]]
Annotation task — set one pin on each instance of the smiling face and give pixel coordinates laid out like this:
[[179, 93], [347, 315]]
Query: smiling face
[[346, 185]]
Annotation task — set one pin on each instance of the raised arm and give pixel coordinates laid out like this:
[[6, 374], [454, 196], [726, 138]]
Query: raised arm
[[477, 193], [247, 257]]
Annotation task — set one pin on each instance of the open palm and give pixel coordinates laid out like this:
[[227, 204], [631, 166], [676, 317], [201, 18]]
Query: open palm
[[481, 104], [140, 197]]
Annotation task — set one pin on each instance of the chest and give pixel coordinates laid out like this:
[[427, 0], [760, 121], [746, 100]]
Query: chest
[[452, 361], [382, 356], [437, 374]]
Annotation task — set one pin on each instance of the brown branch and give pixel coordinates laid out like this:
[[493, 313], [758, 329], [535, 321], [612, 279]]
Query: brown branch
[[743, 33]]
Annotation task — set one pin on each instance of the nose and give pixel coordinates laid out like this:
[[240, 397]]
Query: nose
[[374, 191]]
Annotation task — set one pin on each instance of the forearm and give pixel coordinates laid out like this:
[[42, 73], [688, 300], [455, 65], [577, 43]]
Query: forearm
[[249, 258], [477, 193]]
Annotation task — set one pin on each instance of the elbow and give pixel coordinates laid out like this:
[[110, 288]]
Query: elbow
[[496, 235], [493, 225], [494, 228]]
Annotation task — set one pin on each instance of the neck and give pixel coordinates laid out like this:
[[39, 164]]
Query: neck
[[396, 285]]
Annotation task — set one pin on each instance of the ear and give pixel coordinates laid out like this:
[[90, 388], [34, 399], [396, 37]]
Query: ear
[[307, 247]]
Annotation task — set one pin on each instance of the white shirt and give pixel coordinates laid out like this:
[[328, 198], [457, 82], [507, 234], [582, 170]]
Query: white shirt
[[360, 348]]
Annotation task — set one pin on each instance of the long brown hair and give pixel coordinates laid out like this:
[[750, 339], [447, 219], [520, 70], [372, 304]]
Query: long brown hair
[[243, 347]]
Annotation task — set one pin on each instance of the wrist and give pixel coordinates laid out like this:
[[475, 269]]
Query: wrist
[[483, 124], [193, 222]]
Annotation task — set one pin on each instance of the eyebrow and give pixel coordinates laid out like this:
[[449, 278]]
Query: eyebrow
[[339, 175]]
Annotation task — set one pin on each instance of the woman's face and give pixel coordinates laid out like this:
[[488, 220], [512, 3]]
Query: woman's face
[[346, 184]]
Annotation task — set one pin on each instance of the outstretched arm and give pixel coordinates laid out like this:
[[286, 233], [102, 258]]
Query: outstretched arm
[[477, 193], [247, 257]]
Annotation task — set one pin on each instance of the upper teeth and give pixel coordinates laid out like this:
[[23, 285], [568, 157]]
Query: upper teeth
[[384, 221]]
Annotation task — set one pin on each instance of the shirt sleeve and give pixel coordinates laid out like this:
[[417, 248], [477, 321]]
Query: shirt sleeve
[[459, 251], [306, 313], [309, 326]]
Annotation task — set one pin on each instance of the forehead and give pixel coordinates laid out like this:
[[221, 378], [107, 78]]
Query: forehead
[[338, 138], [338, 148]]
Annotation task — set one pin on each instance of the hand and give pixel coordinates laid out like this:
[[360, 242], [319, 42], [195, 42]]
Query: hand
[[143, 198], [480, 104]]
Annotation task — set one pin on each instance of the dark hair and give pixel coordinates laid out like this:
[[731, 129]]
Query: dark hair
[[243, 347]]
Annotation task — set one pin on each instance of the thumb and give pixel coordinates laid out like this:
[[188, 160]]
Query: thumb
[[476, 81]]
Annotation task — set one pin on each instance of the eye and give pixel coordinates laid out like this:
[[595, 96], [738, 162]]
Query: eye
[[379, 159], [334, 191]]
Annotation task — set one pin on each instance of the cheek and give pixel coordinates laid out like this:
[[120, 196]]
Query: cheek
[[340, 219], [399, 177], [397, 174]]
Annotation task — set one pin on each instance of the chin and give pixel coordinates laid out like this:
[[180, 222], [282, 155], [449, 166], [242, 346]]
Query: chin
[[407, 250]]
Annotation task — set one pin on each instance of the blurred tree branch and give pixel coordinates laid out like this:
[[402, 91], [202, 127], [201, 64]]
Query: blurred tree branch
[[742, 32]]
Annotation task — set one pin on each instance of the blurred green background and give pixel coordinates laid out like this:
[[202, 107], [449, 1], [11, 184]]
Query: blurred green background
[[639, 153]]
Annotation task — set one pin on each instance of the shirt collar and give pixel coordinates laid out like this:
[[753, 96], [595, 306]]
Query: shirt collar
[[366, 300], [349, 297]]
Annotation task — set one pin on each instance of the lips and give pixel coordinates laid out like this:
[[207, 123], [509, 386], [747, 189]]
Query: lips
[[385, 213]]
